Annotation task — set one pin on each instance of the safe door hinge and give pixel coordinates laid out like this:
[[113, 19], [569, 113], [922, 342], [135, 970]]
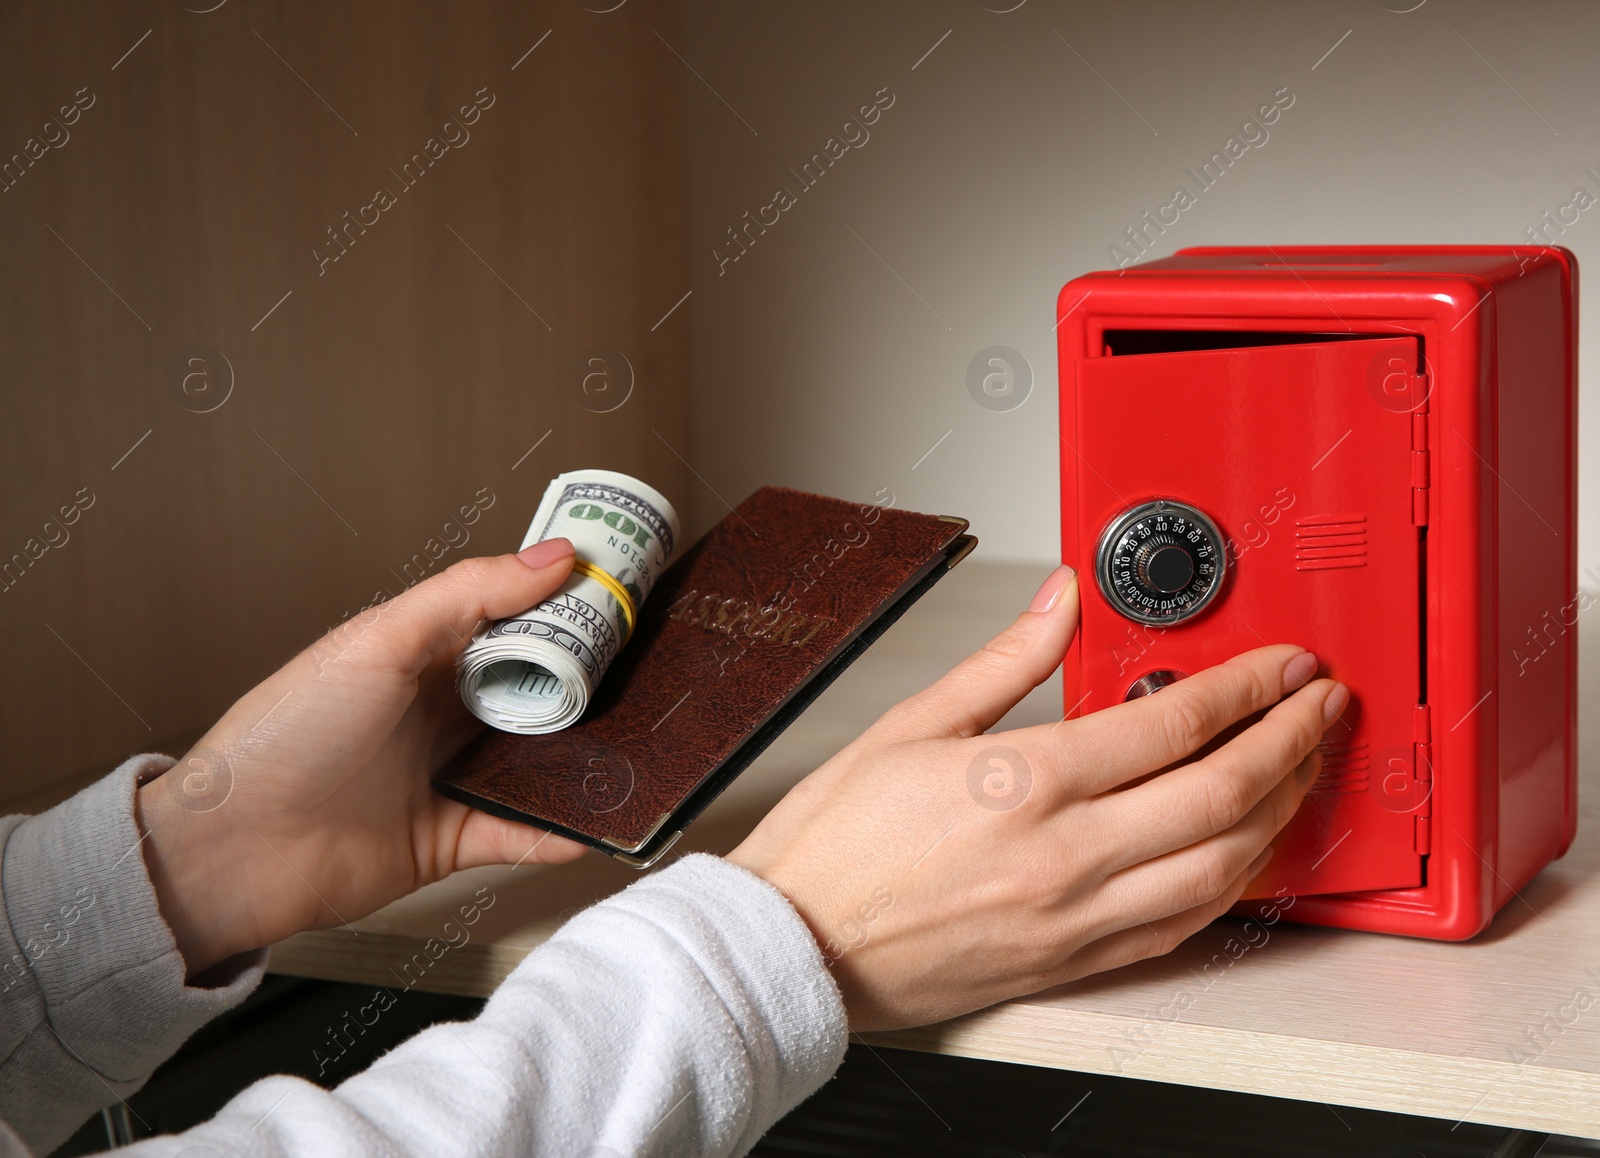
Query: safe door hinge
[[1421, 467], [1422, 724], [1422, 774]]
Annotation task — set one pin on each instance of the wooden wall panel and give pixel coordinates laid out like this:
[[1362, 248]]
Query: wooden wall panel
[[389, 388]]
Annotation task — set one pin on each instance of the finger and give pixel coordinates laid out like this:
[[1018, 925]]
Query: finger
[[1159, 937], [1217, 791], [489, 839], [973, 695], [1193, 876], [1110, 747], [439, 614], [444, 725]]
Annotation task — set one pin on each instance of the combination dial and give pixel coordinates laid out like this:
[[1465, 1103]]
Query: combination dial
[[1160, 562]]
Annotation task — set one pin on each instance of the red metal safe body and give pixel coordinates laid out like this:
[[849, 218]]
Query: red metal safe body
[[1370, 452]]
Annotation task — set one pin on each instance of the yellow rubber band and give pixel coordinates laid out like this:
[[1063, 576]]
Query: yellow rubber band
[[618, 591]]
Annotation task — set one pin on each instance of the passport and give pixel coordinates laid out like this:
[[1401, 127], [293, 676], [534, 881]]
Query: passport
[[741, 633]]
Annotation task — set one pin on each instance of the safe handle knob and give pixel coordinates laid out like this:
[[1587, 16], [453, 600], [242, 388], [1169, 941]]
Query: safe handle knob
[[1152, 682]]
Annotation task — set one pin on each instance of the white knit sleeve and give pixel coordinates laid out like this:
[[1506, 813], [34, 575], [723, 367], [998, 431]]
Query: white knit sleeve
[[683, 1016]]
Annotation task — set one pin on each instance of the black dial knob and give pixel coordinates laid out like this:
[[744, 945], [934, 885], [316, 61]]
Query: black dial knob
[[1163, 565], [1160, 562]]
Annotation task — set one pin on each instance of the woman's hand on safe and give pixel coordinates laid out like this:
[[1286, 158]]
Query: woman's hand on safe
[[309, 803], [943, 869]]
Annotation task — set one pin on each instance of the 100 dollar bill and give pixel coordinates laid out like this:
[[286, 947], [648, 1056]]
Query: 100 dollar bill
[[536, 672]]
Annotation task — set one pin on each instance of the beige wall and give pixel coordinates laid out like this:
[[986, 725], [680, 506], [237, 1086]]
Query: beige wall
[[387, 391], [380, 396], [1006, 166]]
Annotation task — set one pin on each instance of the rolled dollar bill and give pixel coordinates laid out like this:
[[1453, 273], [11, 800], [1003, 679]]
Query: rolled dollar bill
[[536, 672]]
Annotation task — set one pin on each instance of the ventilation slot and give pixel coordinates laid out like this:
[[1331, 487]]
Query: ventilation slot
[[1327, 542], [1344, 768]]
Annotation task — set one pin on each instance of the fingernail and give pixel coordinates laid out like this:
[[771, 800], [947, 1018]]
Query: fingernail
[[1259, 863], [1334, 704], [1050, 590], [1298, 671], [545, 552]]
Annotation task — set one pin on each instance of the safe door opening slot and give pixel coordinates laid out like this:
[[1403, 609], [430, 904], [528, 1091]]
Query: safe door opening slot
[[1121, 343]]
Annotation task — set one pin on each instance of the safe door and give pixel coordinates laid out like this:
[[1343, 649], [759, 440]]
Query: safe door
[[1231, 498]]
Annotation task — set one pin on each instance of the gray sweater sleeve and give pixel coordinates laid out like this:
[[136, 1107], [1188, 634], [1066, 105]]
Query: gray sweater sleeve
[[92, 988]]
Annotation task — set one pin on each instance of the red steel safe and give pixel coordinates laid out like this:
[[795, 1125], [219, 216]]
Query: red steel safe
[[1370, 452]]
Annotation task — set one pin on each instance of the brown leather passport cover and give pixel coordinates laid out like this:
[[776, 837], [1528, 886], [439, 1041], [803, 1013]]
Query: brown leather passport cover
[[739, 636]]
